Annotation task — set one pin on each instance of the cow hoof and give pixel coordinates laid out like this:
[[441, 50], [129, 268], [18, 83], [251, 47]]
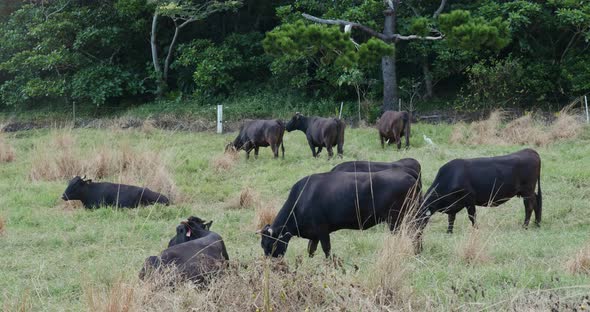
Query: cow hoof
[[449, 232]]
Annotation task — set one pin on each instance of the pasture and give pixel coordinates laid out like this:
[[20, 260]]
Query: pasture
[[57, 257]]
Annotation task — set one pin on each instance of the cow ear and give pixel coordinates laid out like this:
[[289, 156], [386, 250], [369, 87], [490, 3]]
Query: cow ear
[[88, 181], [208, 225]]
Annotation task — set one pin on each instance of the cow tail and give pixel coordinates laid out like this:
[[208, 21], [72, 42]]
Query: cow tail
[[406, 126], [341, 126], [283, 127], [539, 207]]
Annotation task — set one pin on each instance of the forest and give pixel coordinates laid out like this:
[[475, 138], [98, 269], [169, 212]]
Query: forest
[[460, 55]]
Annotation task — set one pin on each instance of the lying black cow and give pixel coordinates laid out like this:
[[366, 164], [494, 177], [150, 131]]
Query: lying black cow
[[189, 230], [489, 181], [196, 260], [256, 133], [320, 132], [323, 203], [93, 195], [393, 126]]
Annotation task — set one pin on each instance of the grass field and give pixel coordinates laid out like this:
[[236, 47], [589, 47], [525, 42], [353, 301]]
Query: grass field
[[54, 257]]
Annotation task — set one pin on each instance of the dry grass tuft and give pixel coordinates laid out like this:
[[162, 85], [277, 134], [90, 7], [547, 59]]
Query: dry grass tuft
[[120, 298], [524, 130], [2, 226], [391, 273], [225, 161], [148, 126], [473, 250], [248, 198], [580, 263], [57, 160], [70, 205], [7, 153], [264, 214], [261, 285], [127, 165]]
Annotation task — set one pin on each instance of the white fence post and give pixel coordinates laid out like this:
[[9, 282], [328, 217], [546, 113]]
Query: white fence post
[[219, 119], [587, 116], [400, 105], [340, 115]]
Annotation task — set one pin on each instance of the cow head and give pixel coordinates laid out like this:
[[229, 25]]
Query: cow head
[[230, 147], [190, 229], [295, 123], [75, 189], [274, 243]]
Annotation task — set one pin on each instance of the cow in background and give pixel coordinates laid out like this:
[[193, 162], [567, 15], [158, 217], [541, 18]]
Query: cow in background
[[260, 133], [394, 125], [320, 132]]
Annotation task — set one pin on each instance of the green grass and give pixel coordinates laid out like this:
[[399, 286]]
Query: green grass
[[49, 256]]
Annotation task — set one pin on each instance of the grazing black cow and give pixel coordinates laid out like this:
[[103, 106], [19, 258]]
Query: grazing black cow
[[187, 230], [93, 195], [323, 203], [195, 260], [409, 165], [393, 126], [320, 132], [489, 181], [256, 133]]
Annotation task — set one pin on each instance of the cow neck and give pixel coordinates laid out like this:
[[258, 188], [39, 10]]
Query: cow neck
[[285, 222], [84, 198], [304, 123]]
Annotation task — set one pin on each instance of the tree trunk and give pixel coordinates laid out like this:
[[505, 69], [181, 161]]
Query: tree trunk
[[427, 78], [155, 59], [170, 53], [390, 90]]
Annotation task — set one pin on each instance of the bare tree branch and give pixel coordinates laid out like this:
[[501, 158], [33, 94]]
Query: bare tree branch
[[370, 31], [440, 9]]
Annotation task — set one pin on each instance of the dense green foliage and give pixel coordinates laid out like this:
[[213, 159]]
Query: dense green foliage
[[97, 53]]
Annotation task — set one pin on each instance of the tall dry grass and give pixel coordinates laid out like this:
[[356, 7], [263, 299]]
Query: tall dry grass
[[265, 213], [248, 198], [2, 226], [473, 250], [62, 159], [580, 262], [261, 285], [525, 130], [7, 152], [225, 161]]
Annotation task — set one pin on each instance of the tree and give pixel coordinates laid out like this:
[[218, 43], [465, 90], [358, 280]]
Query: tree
[[182, 13], [457, 24]]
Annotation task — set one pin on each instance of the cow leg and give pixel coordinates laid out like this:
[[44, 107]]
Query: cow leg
[[256, 152], [312, 149], [326, 247], [319, 150], [528, 210], [471, 213], [451, 222], [398, 141], [330, 151], [275, 150], [382, 141], [247, 154], [312, 246]]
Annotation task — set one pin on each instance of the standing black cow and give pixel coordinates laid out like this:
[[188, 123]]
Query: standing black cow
[[256, 133], [323, 203], [393, 126], [93, 195], [320, 132], [189, 230], [489, 181], [195, 260]]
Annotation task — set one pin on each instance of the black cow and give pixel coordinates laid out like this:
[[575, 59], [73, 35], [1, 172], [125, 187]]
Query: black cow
[[409, 165], [394, 125], [189, 230], [489, 181], [320, 132], [93, 195], [323, 203], [195, 260], [256, 133]]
